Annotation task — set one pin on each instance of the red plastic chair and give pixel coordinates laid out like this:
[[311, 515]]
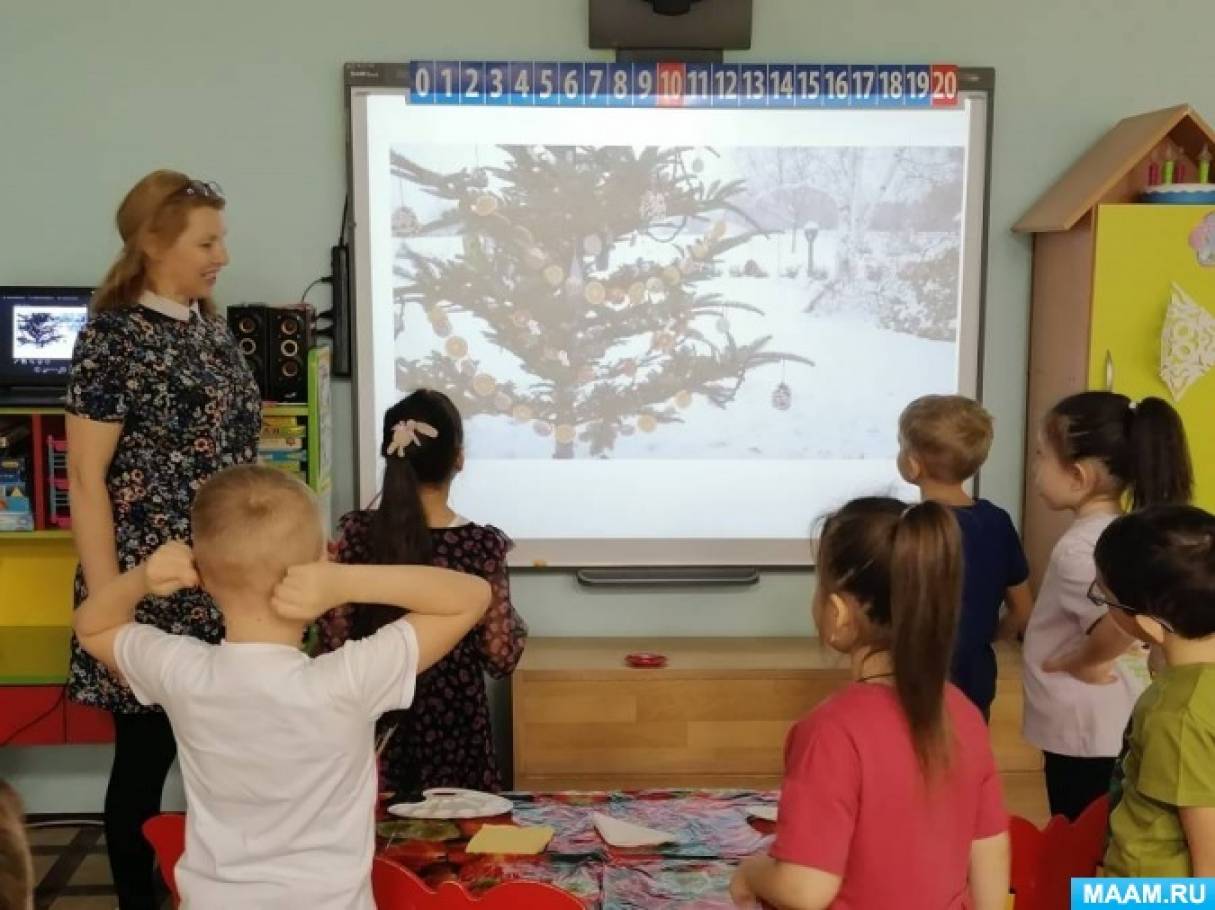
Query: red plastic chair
[[1044, 862], [397, 888], [167, 835]]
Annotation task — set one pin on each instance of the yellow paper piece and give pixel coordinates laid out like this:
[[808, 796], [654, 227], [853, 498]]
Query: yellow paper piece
[[507, 839]]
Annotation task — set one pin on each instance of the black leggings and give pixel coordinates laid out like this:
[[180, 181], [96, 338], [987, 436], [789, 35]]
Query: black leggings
[[144, 750], [1072, 784]]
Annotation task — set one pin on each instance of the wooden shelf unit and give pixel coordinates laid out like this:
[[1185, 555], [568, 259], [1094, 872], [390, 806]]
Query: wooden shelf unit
[[37, 570], [715, 716]]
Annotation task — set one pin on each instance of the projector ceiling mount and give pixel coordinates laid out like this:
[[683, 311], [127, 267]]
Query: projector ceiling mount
[[671, 7], [693, 31]]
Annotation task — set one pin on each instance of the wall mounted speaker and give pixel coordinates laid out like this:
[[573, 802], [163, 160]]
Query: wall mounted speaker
[[249, 322], [290, 338]]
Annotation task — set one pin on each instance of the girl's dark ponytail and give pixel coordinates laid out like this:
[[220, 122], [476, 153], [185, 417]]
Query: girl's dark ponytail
[[925, 594], [400, 534], [904, 565], [1160, 467], [1143, 446]]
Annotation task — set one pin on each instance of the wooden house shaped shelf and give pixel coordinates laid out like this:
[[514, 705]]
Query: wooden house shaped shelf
[[1107, 272]]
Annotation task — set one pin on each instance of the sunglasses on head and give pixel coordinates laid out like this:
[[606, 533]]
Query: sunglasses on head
[[202, 189], [1096, 597]]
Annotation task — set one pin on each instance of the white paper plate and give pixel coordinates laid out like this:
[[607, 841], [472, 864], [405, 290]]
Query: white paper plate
[[454, 803]]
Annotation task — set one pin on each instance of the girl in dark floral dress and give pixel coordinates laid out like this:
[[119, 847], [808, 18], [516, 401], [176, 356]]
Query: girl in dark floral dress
[[444, 739], [158, 400]]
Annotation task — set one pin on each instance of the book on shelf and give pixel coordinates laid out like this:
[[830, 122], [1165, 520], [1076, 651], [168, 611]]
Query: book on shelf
[[280, 444], [11, 433], [16, 514]]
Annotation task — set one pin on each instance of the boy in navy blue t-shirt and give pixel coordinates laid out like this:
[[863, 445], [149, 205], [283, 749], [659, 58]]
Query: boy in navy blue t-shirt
[[943, 441]]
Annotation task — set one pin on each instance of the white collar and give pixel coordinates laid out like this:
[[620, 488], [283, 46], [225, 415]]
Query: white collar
[[166, 307]]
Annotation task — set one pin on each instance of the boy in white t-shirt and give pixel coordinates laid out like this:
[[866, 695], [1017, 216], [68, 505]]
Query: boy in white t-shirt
[[276, 748]]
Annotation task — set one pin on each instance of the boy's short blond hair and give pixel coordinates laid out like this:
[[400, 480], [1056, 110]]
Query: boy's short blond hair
[[16, 866], [949, 434], [251, 524]]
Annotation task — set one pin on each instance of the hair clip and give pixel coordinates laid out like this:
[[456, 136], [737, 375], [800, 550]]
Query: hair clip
[[405, 434]]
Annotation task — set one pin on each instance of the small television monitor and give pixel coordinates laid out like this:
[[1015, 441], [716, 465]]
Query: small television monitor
[[38, 329]]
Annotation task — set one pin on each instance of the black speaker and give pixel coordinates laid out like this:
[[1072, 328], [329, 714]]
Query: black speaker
[[290, 338], [250, 323]]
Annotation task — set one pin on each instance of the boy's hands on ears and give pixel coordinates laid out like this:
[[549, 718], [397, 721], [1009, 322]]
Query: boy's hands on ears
[[170, 569], [309, 590]]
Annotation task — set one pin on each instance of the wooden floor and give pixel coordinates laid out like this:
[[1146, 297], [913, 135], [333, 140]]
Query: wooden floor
[[71, 868], [1025, 795]]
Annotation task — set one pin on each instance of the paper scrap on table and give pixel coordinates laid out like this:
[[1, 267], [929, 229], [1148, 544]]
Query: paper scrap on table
[[508, 839], [625, 834], [766, 813]]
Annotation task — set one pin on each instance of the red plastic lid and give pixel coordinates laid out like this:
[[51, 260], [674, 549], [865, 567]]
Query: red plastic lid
[[645, 660]]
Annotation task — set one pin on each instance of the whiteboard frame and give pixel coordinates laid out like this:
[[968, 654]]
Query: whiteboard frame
[[364, 80]]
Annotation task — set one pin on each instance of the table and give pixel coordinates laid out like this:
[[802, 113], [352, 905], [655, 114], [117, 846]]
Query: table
[[713, 828]]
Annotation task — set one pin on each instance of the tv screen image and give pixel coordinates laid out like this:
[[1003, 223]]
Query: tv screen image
[[44, 334]]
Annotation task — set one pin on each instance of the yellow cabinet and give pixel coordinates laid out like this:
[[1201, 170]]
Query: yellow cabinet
[[1145, 256], [1103, 272]]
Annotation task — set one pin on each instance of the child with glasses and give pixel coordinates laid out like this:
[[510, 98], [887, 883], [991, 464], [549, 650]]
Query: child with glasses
[[1156, 576], [1095, 451]]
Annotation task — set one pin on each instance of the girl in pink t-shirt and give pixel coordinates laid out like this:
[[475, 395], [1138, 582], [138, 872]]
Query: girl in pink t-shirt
[[890, 796]]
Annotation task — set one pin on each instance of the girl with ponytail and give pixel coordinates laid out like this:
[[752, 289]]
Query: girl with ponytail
[[444, 739], [1098, 453], [890, 796]]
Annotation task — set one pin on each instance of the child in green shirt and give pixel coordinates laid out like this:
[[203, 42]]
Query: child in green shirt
[[1156, 574]]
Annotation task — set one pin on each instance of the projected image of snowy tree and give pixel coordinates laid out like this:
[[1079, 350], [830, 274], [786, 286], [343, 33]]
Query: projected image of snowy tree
[[609, 347]]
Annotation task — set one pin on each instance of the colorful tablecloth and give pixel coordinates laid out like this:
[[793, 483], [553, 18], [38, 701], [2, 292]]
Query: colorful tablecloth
[[712, 827]]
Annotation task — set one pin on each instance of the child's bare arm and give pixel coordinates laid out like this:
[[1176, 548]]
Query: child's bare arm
[[311, 589], [784, 885], [444, 605], [1089, 661], [98, 620], [1198, 822], [1020, 602], [989, 872]]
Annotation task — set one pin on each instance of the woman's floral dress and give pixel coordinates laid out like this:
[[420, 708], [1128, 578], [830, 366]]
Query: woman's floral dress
[[189, 407]]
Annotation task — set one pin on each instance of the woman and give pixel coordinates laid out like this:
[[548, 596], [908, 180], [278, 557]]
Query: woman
[[159, 399]]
